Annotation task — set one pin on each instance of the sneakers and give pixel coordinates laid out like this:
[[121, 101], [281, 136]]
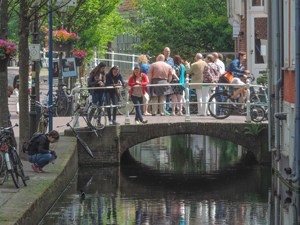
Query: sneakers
[[35, 168], [172, 114], [41, 170], [233, 101], [167, 113], [179, 114], [144, 121], [110, 122], [137, 122], [115, 123]]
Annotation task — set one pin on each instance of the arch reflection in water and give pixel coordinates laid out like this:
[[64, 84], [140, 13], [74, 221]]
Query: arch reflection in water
[[187, 154], [134, 195]]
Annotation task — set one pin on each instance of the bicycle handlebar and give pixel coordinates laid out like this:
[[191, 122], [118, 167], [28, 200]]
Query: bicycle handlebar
[[43, 105], [8, 128]]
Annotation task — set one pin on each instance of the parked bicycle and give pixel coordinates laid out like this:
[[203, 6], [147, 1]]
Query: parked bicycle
[[88, 111], [221, 106], [10, 163], [43, 121], [122, 101], [62, 101], [259, 96]]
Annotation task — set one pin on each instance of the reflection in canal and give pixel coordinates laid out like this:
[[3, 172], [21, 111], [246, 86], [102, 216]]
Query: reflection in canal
[[169, 187]]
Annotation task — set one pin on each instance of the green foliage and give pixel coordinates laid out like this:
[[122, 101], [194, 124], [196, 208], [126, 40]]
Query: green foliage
[[254, 129], [263, 79], [186, 27]]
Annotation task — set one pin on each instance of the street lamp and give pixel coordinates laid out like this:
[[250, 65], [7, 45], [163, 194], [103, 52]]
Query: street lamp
[[50, 93], [35, 57]]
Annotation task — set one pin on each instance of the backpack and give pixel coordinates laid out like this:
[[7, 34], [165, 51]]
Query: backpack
[[29, 146], [226, 78]]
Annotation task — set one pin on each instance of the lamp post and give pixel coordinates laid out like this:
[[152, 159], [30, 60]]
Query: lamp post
[[50, 95], [34, 77]]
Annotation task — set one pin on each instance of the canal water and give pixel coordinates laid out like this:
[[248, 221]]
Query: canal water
[[183, 179]]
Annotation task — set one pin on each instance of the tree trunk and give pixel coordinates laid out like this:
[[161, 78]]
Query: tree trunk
[[4, 112], [3, 19], [23, 71]]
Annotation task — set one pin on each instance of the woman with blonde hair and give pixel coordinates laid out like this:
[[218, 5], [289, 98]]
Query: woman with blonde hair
[[144, 65]]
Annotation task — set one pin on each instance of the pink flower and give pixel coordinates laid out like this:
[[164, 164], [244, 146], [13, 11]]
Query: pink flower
[[79, 54], [7, 49]]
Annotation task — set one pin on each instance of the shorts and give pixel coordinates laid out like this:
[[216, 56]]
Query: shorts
[[237, 81]]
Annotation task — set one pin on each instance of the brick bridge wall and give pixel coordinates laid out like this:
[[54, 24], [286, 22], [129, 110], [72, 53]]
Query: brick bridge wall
[[113, 141]]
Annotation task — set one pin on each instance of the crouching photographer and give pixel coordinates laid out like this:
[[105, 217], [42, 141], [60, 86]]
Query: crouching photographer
[[40, 154]]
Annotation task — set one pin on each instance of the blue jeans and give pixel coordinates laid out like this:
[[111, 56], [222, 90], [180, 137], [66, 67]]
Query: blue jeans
[[41, 160], [98, 98], [111, 98], [137, 101]]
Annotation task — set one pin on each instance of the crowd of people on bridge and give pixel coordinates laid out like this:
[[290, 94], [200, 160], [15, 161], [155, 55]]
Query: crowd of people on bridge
[[166, 99]]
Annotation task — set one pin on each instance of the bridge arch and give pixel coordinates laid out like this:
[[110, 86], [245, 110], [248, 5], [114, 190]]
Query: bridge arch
[[115, 140]]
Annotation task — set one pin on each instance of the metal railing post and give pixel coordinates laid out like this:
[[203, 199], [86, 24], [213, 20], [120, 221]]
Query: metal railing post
[[112, 58], [187, 100], [133, 61], [76, 99], [248, 117], [127, 119]]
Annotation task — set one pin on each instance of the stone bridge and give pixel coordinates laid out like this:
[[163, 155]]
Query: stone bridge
[[113, 141]]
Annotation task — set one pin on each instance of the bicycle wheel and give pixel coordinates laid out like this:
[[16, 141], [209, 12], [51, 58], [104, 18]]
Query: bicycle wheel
[[42, 125], [3, 170], [13, 172], [19, 168], [103, 119], [216, 105], [92, 116], [122, 103], [62, 106], [85, 146], [257, 113]]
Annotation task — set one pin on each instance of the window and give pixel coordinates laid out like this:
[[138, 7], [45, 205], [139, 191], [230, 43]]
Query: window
[[258, 2], [289, 33]]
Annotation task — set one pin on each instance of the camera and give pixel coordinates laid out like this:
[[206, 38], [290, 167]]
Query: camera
[[54, 154]]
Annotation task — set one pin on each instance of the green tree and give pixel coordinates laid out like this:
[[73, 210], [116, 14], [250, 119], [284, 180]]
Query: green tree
[[186, 27], [96, 22]]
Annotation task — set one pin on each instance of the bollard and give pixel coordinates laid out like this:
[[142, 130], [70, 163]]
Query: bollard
[[187, 100], [127, 118], [248, 116]]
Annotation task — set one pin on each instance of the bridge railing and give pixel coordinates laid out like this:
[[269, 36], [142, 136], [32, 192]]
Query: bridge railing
[[126, 100]]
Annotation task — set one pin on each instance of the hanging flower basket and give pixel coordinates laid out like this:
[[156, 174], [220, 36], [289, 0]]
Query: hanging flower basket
[[62, 47], [63, 40], [7, 51], [79, 56]]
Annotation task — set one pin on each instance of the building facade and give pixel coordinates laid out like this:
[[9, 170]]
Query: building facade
[[249, 20]]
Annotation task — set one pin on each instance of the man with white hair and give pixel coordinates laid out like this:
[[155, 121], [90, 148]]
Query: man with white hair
[[196, 73], [218, 62], [160, 73]]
